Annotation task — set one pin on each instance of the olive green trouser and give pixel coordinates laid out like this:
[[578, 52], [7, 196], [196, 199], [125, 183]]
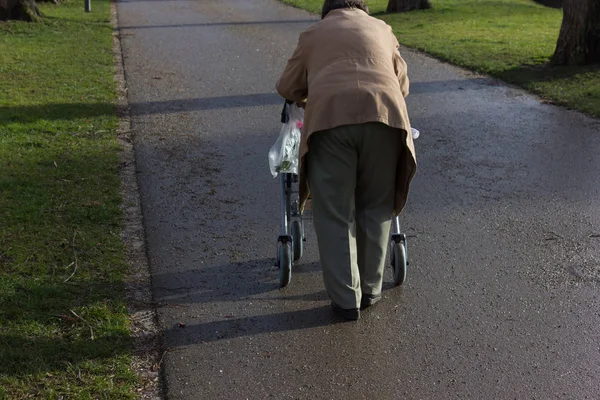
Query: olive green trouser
[[352, 172]]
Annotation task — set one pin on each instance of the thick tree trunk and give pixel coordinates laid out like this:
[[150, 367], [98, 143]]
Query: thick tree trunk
[[395, 6], [23, 10], [579, 39]]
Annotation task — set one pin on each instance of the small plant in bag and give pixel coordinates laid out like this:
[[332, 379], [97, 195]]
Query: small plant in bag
[[283, 156]]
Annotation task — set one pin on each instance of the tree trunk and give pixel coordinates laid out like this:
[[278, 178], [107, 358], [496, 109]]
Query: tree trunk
[[395, 6], [579, 39], [23, 10]]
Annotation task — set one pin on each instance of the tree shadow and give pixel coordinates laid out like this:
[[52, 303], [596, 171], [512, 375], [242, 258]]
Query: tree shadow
[[451, 85], [212, 24], [53, 112], [53, 337], [206, 103], [156, 1], [23, 355], [230, 282], [237, 282], [568, 82], [30, 301], [234, 281], [550, 3], [526, 74], [227, 329], [72, 111]]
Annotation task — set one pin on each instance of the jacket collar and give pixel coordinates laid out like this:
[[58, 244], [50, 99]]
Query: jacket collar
[[345, 11]]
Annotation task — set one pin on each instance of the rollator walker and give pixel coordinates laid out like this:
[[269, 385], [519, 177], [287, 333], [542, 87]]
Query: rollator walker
[[290, 244]]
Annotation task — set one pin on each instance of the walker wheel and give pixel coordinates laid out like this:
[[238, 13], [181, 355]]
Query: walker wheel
[[398, 258], [297, 239], [284, 257]]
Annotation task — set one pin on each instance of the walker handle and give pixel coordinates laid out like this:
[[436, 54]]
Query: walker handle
[[285, 114]]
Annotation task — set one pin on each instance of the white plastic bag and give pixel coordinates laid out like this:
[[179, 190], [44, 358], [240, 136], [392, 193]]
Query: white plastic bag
[[415, 133], [283, 156]]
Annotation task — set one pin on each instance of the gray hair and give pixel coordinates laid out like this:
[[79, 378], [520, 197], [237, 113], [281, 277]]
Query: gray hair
[[329, 5]]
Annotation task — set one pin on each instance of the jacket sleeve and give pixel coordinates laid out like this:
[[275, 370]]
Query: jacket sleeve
[[293, 83], [400, 68]]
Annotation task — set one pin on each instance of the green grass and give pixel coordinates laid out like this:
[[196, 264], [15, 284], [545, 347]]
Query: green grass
[[64, 328], [509, 39]]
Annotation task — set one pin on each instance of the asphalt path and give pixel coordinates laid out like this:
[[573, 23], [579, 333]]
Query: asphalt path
[[503, 220]]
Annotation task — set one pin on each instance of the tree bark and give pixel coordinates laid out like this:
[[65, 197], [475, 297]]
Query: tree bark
[[579, 39], [23, 10], [395, 6]]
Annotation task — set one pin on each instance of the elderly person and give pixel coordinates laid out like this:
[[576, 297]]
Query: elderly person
[[356, 156]]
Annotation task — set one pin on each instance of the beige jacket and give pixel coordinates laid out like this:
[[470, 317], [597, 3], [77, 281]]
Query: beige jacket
[[349, 70]]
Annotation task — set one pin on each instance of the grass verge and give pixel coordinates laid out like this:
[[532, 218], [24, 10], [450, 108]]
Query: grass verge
[[509, 39], [64, 327]]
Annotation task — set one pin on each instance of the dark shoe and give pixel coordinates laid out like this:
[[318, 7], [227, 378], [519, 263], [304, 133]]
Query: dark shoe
[[368, 300], [349, 314]]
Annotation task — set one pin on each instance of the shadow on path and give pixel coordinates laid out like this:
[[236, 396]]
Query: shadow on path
[[204, 25], [232, 282], [249, 326], [206, 103], [72, 111]]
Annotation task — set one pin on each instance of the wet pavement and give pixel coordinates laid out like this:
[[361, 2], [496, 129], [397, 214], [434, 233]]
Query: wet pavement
[[503, 220]]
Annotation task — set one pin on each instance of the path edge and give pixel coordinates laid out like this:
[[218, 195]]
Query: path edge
[[145, 332]]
